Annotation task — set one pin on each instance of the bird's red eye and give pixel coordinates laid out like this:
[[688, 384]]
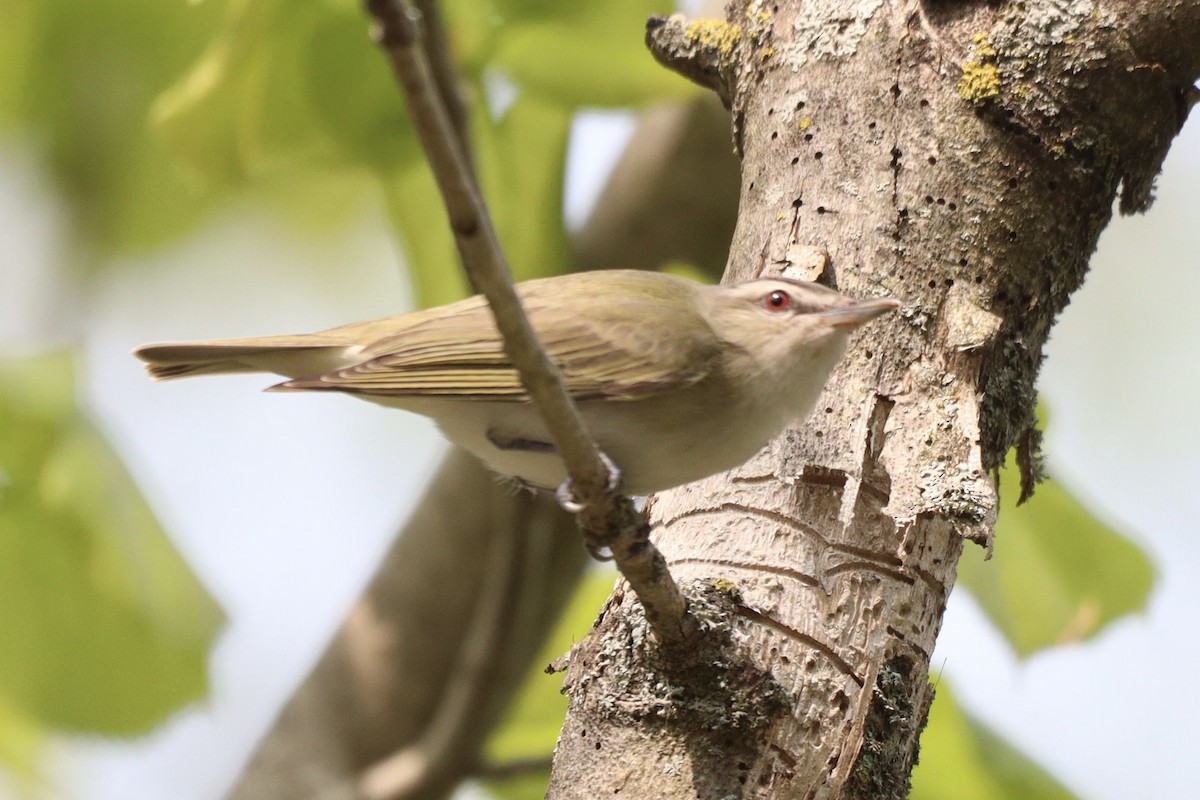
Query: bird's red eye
[[778, 301]]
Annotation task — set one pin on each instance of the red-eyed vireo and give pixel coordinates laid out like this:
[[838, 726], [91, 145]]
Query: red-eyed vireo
[[675, 380]]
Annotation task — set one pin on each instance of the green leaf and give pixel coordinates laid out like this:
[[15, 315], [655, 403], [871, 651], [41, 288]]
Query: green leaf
[[104, 628], [586, 54], [530, 728], [522, 164], [521, 159], [415, 211], [962, 759], [21, 742], [1058, 574], [353, 94], [241, 109], [76, 80]]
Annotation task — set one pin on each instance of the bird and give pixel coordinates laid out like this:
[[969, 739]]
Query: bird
[[674, 380]]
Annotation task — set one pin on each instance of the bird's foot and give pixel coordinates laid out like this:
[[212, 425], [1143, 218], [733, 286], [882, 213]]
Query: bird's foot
[[565, 493]]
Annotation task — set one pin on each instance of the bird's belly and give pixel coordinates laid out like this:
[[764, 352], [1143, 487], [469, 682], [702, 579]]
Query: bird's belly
[[478, 427], [662, 448], [656, 446]]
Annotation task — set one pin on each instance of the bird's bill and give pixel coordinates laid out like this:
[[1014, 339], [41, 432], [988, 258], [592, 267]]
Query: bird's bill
[[852, 316]]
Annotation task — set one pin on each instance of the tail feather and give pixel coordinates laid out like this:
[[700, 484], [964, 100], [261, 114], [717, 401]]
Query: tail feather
[[290, 359]]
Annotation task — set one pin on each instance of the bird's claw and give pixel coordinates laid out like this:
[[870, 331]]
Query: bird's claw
[[565, 494]]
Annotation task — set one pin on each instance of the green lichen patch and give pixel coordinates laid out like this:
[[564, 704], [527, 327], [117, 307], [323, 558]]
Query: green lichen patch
[[714, 34], [980, 81]]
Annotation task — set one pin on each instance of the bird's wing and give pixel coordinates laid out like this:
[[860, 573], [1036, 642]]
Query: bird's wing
[[622, 348]]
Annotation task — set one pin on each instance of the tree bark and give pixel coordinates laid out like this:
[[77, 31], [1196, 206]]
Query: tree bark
[[964, 157]]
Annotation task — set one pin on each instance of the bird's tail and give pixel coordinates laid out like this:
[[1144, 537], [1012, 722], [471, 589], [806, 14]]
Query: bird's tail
[[291, 356]]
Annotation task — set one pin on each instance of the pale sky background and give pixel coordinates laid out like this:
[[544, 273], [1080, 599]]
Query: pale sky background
[[283, 504]]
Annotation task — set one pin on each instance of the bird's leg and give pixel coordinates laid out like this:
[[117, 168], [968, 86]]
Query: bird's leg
[[566, 498], [566, 495]]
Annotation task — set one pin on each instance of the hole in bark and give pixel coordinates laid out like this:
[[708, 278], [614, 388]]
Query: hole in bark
[[797, 202], [953, 206], [770, 111], [1012, 183], [933, 284], [949, 282], [828, 409], [895, 90], [868, 354], [871, 125], [808, 137], [841, 702], [820, 209], [774, 135], [941, 201], [751, 184], [597, 745], [932, 160], [978, 279], [929, 199], [800, 105], [818, 155], [795, 161], [924, 103]]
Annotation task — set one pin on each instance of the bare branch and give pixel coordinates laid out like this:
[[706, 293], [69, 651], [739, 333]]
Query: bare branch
[[702, 51], [437, 50], [608, 520]]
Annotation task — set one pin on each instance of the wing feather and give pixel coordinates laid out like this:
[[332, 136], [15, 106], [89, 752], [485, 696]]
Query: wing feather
[[638, 337]]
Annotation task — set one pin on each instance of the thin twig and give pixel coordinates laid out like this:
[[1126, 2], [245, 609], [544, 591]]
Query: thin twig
[[396, 32], [437, 50], [608, 519]]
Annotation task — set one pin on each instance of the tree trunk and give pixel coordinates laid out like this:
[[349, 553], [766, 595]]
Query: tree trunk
[[963, 157]]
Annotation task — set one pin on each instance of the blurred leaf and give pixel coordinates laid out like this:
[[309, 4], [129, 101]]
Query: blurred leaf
[[521, 159], [1059, 574], [522, 163], [556, 62], [76, 80], [585, 54], [353, 93], [415, 211], [961, 759], [241, 107], [21, 741], [534, 720], [104, 628]]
